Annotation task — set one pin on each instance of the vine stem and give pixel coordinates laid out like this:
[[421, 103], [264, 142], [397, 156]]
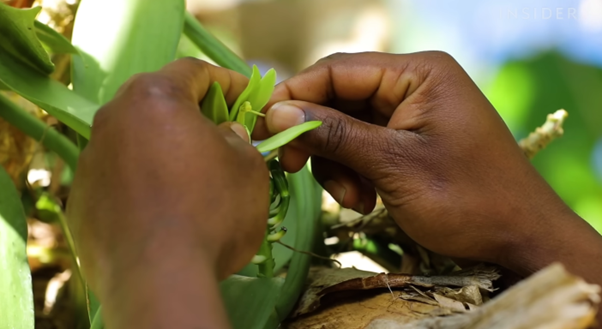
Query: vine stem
[[38, 130], [266, 269]]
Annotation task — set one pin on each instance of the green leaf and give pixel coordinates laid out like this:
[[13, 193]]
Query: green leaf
[[18, 38], [284, 137], [214, 105], [62, 103], [261, 96], [55, 41], [16, 303], [302, 220], [97, 322], [250, 301], [254, 82], [140, 36], [306, 197], [306, 204], [213, 48], [38, 130]]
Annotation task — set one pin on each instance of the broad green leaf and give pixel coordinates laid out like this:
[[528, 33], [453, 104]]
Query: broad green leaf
[[212, 47], [62, 103], [55, 41], [302, 221], [140, 36], [38, 130], [306, 209], [18, 37], [261, 96], [214, 105], [16, 301], [284, 137], [254, 82], [250, 301]]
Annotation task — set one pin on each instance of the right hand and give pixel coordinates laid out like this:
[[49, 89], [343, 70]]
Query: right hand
[[416, 129]]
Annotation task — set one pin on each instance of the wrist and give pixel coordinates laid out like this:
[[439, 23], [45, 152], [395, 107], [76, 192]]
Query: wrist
[[564, 238], [179, 290]]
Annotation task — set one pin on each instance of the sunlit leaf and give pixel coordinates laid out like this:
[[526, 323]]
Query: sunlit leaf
[[55, 41], [212, 47], [140, 36], [97, 322], [250, 301], [62, 103], [284, 137], [260, 96], [214, 105], [254, 82], [18, 38], [16, 301]]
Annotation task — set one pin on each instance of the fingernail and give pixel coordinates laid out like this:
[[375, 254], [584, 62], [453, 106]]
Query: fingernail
[[283, 115], [336, 190], [240, 130]]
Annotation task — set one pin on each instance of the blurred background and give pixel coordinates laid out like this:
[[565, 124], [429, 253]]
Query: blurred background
[[529, 57]]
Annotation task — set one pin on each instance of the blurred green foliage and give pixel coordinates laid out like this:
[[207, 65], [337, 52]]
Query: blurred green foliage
[[525, 91]]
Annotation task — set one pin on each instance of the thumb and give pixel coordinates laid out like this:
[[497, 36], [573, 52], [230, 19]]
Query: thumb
[[234, 132], [358, 145]]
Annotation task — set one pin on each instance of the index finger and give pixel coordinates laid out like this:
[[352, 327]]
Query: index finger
[[188, 79], [352, 83]]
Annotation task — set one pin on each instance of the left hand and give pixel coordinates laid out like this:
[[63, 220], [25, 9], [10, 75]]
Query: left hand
[[160, 184]]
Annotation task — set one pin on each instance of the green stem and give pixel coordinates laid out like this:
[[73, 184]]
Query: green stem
[[31, 126], [81, 142], [70, 243], [266, 269], [306, 195], [281, 187], [97, 322], [212, 47]]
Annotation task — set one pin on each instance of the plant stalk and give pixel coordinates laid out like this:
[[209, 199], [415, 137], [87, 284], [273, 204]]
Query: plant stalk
[[266, 269], [38, 130]]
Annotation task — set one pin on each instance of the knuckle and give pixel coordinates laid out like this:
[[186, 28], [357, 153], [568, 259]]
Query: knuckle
[[152, 86], [436, 61], [334, 57], [440, 56], [336, 134], [193, 61], [101, 120], [200, 65]]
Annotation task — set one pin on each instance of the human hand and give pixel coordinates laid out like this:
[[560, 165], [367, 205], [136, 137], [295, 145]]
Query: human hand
[[417, 130], [159, 185]]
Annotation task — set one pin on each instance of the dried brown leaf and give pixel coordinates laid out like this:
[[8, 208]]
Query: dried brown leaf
[[327, 281]]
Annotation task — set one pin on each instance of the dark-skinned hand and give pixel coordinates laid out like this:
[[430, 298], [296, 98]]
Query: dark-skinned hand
[[416, 130], [161, 207]]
